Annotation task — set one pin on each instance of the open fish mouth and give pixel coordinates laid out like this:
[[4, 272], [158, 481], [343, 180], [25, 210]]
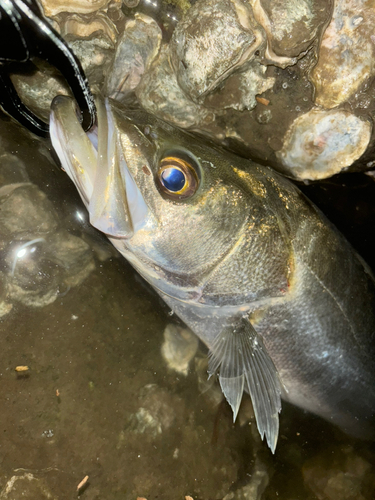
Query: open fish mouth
[[96, 164]]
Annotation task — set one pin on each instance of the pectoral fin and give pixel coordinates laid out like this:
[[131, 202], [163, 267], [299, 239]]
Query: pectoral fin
[[239, 356]]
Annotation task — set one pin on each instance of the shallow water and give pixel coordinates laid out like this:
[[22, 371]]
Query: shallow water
[[99, 400]]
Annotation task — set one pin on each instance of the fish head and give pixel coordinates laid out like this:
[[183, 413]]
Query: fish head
[[166, 200]]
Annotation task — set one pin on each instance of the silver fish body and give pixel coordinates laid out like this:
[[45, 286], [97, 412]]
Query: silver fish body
[[283, 302]]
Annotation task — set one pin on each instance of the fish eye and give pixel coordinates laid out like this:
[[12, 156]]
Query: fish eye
[[177, 177]]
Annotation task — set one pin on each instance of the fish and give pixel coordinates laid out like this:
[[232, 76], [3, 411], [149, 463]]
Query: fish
[[280, 298]]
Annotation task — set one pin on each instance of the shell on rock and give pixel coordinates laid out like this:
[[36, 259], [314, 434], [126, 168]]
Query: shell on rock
[[160, 94], [211, 42], [95, 53], [256, 76], [291, 26], [38, 89], [346, 56], [137, 47], [84, 26], [53, 7], [321, 143]]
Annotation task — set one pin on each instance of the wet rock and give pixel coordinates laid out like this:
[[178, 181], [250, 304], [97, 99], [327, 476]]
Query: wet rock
[[255, 487], [53, 7], [156, 413], [346, 54], [82, 26], [210, 43], [291, 25], [137, 47], [37, 274], [25, 209], [160, 94], [323, 143], [73, 255], [38, 89], [179, 348], [339, 475], [95, 54], [41, 260], [26, 486], [12, 170]]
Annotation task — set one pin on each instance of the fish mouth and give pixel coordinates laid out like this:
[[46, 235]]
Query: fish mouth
[[97, 165]]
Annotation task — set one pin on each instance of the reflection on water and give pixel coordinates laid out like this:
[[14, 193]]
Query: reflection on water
[[98, 399]]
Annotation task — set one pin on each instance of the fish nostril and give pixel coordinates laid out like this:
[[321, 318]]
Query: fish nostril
[[146, 170]]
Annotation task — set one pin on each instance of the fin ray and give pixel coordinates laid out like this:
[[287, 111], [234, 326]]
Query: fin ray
[[240, 357], [233, 389]]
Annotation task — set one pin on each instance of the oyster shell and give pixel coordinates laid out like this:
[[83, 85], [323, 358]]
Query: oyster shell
[[95, 54], [210, 43], [85, 26], [53, 7], [137, 47], [321, 143], [159, 93], [291, 26], [249, 74], [346, 56]]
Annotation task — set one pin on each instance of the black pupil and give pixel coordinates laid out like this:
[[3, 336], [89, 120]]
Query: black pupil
[[173, 179]]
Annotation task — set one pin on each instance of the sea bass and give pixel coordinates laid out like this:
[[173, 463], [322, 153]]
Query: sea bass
[[284, 304]]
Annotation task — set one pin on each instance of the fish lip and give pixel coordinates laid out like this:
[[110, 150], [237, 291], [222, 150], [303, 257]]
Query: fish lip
[[98, 170], [133, 202], [63, 110], [117, 206]]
